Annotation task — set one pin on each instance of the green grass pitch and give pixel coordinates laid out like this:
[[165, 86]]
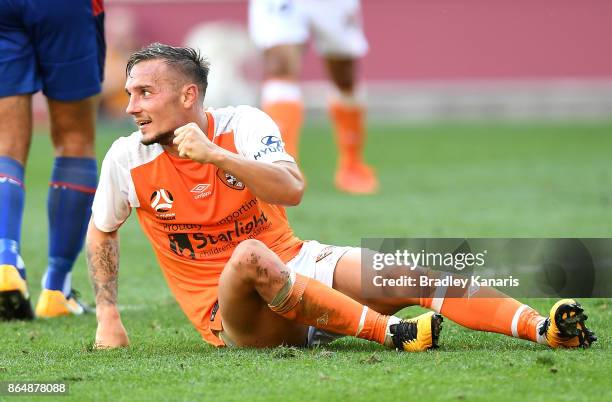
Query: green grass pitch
[[452, 180]]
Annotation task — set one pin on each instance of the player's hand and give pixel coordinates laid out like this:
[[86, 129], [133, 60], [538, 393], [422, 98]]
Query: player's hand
[[194, 144], [111, 333]]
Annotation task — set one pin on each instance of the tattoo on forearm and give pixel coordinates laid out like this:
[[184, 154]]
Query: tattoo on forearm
[[103, 265]]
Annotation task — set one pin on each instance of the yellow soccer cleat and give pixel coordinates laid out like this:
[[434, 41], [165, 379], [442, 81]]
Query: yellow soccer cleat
[[417, 334], [53, 303], [564, 328], [14, 296]]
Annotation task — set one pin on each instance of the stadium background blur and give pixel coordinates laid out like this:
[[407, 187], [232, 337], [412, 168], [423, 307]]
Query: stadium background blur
[[428, 60], [486, 119]]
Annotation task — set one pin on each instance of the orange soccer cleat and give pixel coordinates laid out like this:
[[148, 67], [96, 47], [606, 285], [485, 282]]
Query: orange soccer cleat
[[356, 179]]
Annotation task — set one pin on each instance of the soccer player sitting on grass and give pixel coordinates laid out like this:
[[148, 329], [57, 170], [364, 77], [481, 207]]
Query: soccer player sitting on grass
[[209, 188]]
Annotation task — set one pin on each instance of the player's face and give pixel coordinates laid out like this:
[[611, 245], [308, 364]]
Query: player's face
[[155, 104]]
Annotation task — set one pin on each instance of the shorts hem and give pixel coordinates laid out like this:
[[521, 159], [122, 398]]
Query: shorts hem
[[19, 90], [68, 96]]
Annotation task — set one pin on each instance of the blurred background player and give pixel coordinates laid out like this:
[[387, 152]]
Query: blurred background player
[[282, 28], [57, 46]]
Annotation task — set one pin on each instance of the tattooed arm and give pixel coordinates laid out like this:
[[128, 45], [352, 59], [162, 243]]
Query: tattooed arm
[[103, 264]]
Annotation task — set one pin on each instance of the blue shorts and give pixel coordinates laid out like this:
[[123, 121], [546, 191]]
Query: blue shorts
[[54, 45]]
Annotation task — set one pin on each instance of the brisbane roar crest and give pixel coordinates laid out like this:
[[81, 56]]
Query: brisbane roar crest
[[229, 180]]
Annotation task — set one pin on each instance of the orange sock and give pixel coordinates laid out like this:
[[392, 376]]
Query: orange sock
[[488, 310], [310, 302], [288, 116], [282, 100], [350, 132]]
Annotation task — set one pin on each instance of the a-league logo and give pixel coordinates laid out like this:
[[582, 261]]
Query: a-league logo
[[161, 200]]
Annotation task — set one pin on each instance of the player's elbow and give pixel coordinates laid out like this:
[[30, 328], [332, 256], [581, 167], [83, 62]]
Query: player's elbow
[[290, 186], [297, 188], [294, 197], [96, 236]]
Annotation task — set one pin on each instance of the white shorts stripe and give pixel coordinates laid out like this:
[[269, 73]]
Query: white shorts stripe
[[362, 320], [438, 299], [436, 304], [516, 318]]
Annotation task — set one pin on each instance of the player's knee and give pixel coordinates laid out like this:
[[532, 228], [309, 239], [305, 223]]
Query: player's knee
[[281, 62], [278, 68], [73, 127], [247, 256], [74, 144], [248, 247], [345, 84], [342, 73]]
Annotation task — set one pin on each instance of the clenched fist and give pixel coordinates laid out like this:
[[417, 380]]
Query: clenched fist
[[194, 144]]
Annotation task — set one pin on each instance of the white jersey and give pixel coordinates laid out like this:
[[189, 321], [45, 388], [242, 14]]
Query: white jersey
[[336, 25]]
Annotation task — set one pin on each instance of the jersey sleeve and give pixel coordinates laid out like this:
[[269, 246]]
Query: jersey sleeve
[[258, 138], [111, 205]]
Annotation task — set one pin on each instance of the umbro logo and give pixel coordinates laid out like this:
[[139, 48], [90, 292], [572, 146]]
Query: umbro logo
[[201, 190]]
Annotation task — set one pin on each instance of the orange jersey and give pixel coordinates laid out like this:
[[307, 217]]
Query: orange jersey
[[195, 214]]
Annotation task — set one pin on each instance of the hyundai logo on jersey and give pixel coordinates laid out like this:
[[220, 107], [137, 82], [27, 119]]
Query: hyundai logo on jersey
[[271, 141]]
